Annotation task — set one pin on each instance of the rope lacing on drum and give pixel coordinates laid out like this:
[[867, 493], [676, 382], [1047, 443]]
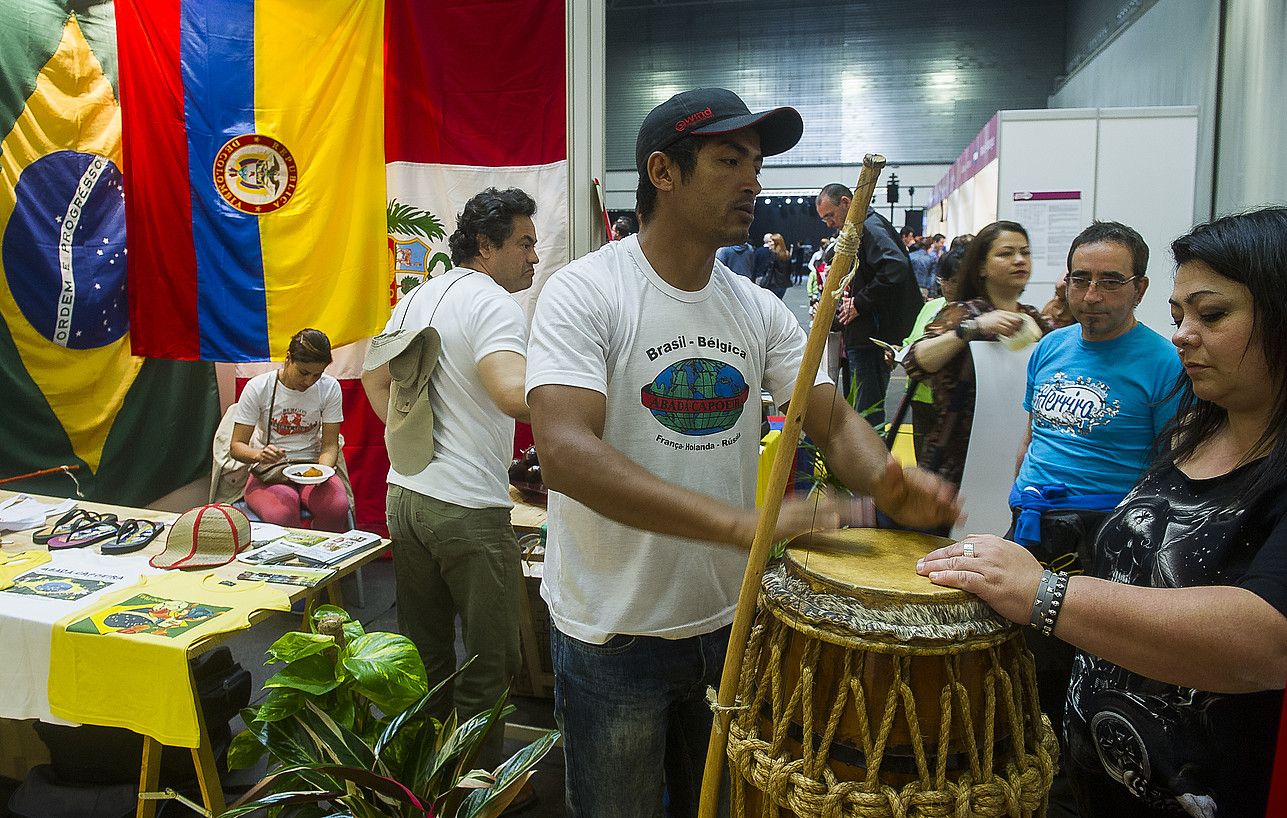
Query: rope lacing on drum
[[807, 786]]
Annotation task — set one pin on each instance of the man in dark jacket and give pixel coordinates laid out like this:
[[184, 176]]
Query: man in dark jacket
[[880, 302]]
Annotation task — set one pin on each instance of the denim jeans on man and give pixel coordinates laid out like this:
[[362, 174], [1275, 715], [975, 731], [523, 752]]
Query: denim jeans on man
[[634, 718], [450, 560]]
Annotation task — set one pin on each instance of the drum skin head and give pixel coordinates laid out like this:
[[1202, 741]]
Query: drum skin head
[[873, 565]]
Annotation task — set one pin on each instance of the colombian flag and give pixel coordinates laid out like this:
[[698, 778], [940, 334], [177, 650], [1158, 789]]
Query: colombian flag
[[73, 393], [254, 162]]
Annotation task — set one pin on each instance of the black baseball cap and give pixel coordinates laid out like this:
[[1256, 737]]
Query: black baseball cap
[[709, 112]]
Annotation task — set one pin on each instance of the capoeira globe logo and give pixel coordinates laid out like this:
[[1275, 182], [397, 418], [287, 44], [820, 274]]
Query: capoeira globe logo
[[255, 173], [696, 396]]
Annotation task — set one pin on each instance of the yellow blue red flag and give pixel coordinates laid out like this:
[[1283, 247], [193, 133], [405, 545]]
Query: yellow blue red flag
[[254, 159]]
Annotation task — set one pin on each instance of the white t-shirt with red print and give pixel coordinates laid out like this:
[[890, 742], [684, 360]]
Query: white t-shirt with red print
[[296, 419]]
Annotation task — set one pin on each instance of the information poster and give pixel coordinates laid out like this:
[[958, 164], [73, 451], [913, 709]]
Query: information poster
[[1053, 219]]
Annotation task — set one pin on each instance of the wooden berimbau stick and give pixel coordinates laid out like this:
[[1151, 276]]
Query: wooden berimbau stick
[[837, 275]]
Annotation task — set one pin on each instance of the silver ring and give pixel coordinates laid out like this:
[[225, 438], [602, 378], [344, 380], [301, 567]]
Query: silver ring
[[967, 548]]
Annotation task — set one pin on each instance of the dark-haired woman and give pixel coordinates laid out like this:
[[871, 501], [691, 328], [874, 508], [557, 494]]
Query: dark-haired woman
[[994, 271], [1176, 692], [778, 277], [297, 410], [924, 415]]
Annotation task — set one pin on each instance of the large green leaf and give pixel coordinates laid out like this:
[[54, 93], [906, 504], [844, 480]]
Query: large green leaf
[[316, 674], [387, 669], [279, 703], [245, 751], [342, 746], [455, 756], [281, 799], [295, 645], [357, 795], [514, 770]]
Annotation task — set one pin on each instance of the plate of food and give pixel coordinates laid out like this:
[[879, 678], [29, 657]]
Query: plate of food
[[308, 473]]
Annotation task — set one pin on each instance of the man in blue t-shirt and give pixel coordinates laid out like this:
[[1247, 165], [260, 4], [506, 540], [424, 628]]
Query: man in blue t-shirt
[[1099, 392]]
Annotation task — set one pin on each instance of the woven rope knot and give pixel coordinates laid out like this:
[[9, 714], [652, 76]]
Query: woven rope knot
[[712, 700]]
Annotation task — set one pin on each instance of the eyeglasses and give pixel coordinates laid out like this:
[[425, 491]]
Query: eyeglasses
[[1105, 285]]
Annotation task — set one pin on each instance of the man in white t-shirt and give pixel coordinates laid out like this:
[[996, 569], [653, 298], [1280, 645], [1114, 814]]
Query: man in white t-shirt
[[454, 551], [645, 368]]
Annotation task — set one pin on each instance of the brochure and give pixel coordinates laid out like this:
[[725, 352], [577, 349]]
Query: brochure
[[287, 575], [306, 549], [337, 547]]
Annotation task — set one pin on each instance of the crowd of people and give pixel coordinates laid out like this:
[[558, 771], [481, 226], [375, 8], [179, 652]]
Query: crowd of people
[[1149, 517]]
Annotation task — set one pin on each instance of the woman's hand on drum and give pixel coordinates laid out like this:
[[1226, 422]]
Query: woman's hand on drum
[[1000, 322], [916, 498], [1001, 573]]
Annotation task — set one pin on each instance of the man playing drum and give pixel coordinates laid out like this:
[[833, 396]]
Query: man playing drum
[[643, 370]]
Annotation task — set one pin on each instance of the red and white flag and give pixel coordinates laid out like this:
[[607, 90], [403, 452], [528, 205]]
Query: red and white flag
[[475, 97]]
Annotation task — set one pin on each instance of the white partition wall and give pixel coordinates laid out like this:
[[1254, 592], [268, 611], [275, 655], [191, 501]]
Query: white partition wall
[[1057, 170], [1156, 196]]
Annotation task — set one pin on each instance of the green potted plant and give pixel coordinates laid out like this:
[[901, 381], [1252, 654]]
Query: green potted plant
[[346, 727]]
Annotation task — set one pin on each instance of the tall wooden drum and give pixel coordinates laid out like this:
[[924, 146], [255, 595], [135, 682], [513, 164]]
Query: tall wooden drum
[[867, 692]]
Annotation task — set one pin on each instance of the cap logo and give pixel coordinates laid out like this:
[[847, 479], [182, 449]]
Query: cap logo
[[692, 119]]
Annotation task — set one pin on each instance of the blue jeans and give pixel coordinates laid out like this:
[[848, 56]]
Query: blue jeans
[[634, 718]]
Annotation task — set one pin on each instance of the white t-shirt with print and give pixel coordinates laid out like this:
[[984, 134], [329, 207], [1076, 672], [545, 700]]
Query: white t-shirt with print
[[473, 440], [682, 373], [72, 580], [297, 417]]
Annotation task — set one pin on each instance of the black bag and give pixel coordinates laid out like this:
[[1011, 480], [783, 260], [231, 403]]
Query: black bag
[[1068, 538]]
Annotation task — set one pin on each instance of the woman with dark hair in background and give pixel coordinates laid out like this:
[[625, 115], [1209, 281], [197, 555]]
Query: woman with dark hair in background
[[924, 415], [778, 277], [994, 271], [1176, 692], [298, 410]]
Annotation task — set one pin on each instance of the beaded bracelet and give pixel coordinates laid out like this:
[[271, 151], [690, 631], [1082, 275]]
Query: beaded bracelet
[[1049, 601]]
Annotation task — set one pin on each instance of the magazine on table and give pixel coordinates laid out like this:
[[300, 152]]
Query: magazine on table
[[310, 549], [286, 575]]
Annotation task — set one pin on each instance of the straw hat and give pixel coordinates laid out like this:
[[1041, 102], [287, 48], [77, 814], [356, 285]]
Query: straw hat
[[205, 537]]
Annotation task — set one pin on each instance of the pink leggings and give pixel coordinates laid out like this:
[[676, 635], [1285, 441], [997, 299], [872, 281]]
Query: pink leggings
[[280, 504]]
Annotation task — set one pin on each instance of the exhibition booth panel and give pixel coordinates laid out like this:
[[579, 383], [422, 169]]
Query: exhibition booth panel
[[1054, 171]]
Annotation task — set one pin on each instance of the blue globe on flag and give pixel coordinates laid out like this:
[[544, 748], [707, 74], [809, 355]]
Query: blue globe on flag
[[696, 396]]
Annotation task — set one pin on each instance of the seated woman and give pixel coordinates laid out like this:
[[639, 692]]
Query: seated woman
[[1181, 624], [298, 410], [993, 274]]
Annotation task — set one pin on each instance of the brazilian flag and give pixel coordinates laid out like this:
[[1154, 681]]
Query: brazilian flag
[[71, 391]]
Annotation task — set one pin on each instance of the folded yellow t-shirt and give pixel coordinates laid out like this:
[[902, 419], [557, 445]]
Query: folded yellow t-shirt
[[124, 663]]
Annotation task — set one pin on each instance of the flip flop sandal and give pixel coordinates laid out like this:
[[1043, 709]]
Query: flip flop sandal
[[70, 521], [83, 535], [134, 535]]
